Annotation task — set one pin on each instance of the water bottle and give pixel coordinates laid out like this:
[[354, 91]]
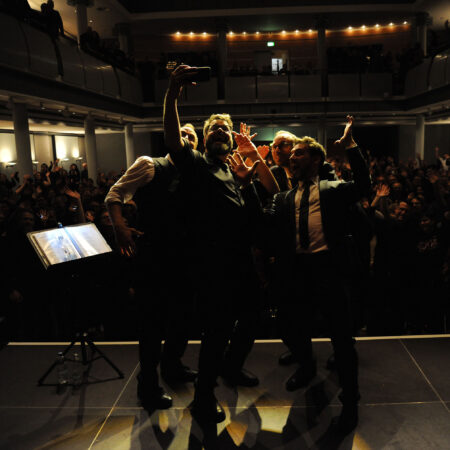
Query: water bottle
[[77, 372], [62, 371]]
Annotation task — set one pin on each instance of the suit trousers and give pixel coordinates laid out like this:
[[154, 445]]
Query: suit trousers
[[165, 308], [315, 287], [228, 295]]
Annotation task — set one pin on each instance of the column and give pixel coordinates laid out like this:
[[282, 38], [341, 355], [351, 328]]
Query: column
[[90, 144], [22, 138], [322, 132], [422, 21], [129, 144], [420, 136], [322, 54], [221, 59]]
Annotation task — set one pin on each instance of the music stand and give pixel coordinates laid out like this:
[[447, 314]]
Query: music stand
[[70, 246]]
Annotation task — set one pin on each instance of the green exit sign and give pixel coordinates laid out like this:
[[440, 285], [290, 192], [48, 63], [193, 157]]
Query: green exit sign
[[271, 44]]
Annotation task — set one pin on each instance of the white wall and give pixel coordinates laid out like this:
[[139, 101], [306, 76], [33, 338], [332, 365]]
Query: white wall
[[111, 152], [43, 149]]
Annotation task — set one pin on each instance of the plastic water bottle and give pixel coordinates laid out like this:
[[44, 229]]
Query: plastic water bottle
[[77, 372], [62, 371]]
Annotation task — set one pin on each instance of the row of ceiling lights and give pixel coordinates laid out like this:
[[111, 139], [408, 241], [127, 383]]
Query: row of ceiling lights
[[284, 32]]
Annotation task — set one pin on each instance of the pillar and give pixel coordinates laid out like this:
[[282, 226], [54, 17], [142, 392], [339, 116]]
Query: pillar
[[422, 21], [129, 144], [322, 132], [22, 138], [221, 60], [420, 136], [322, 55], [90, 144]]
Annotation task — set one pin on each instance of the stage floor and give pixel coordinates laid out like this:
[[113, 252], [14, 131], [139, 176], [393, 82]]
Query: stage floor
[[404, 384]]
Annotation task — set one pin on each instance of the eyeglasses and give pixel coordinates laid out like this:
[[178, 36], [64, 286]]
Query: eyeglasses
[[283, 144]]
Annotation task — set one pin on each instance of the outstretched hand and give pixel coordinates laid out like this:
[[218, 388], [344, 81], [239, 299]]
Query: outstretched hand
[[347, 141], [242, 172], [246, 148]]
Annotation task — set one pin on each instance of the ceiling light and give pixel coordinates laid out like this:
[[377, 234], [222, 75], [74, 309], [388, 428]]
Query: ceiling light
[[391, 24], [310, 30], [405, 23], [204, 33], [377, 25], [350, 28], [283, 32], [177, 33], [191, 33], [257, 32], [363, 27], [297, 31], [244, 32]]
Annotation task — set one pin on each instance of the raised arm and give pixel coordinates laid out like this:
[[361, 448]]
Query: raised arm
[[360, 187], [181, 76]]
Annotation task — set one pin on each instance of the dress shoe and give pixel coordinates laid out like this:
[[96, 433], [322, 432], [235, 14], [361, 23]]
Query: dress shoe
[[207, 411], [286, 359], [347, 421], [300, 378], [157, 399], [181, 374], [241, 378]]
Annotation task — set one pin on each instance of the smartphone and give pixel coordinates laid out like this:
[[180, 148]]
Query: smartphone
[[203, 74]]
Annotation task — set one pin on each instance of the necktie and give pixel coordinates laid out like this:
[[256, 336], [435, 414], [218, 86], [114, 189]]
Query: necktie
[[303, 219]]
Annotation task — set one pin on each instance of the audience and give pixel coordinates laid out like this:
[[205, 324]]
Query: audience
[[405, 242]]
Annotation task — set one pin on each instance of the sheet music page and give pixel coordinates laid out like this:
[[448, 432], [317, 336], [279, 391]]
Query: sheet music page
[[57, 246], [88, 239]]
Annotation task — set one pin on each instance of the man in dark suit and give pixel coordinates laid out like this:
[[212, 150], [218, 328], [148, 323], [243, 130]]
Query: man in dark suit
[[318, 256]]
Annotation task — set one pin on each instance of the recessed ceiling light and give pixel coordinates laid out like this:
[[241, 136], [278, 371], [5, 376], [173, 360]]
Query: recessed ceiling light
[[363, 27], [177, 33], [391, 24], [405, 23], [257, 32], [310, 30], [377, 25], [297, 31], [204, 33], [231, 33], [283, 32], [191, 33], [244, 32], [350, 28]]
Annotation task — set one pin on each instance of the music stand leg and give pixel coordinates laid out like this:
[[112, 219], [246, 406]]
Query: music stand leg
[[94, 349]]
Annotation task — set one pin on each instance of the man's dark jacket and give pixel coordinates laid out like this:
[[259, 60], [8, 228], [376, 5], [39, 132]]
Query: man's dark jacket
[[335, 199]]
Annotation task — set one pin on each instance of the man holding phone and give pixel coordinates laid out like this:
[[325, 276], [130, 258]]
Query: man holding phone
[[221, 217]]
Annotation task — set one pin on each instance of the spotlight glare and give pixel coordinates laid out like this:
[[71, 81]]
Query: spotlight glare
[[363, 27], [191, 33], [391, 24], [257, 32], [297, 31], [204, 33], [244, 32], [230, 33], [310, 31], [350, 28], [283, 32], [177, 33], [377, 25], [405, 23]]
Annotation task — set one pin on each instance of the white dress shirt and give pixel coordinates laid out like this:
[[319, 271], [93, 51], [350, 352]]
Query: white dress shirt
[[138, 174], [317, 241]]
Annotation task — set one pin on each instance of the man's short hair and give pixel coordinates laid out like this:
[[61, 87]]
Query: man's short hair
[[212, 117], [314, 147], [190, 126], [288, 133]]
